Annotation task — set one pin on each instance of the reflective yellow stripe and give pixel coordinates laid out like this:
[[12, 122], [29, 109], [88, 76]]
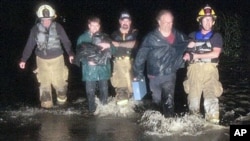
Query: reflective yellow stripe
[[123, 57]]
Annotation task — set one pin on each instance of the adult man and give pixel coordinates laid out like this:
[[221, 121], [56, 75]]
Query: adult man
[[124, 39], [47, 36], [202, 75], [163, 49], [95, 69]]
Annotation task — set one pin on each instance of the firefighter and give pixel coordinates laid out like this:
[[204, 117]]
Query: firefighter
[[46, 37], [202, 73]]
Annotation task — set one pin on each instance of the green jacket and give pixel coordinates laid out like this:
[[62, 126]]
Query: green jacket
[[97, 72]]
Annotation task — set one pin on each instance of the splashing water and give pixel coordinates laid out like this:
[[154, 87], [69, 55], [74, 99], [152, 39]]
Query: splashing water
[[156, 124], [112, 109], [29, 111]]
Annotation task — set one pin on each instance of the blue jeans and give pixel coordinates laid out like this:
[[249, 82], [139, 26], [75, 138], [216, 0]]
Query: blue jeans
[[91, 87]]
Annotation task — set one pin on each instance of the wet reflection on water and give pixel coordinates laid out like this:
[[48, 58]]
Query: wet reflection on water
[[54, 127], [72, 123], [22, 119]]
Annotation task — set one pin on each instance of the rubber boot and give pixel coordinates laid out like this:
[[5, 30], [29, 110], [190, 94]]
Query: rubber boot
[[194, 106], [62, 96], [46, 99], [211, 107], [195, 112], [168, 106], [122, 96]]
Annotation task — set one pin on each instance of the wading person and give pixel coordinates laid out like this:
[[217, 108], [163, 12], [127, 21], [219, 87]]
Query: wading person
[[202, 73], [93, 51], [163, 50], [124, 39], [47, 36]]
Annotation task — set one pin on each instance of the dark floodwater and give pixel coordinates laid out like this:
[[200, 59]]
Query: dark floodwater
[[22, 119], [49, 127]]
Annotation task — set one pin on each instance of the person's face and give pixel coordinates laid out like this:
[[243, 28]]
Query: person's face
[[166, 22], [46, 22], [207, 23], [94, 27], [125, 23]]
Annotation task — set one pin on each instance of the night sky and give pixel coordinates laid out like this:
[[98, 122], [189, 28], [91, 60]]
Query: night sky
[[18, 16]]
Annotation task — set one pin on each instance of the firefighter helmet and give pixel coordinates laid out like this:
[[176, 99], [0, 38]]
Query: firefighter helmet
[[45, 11], [206, 11]]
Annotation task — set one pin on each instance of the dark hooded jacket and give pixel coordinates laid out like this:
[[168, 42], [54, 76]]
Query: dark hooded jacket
[[162, 58]]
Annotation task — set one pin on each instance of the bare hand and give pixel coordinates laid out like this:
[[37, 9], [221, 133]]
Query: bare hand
[[116, 44], [91, 63], [186, 57], [71, 58], [22, 65], [191, 44]]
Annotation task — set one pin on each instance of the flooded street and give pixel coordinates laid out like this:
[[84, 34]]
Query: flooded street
[[21, 117], [52, 127], [70, 124]]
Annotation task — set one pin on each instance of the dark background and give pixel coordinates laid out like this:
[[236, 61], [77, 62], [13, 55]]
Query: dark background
[[18, 16]]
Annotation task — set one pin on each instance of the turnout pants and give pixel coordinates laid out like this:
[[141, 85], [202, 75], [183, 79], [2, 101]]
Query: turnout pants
[[203, 78], [52, 72], [122, 77]]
